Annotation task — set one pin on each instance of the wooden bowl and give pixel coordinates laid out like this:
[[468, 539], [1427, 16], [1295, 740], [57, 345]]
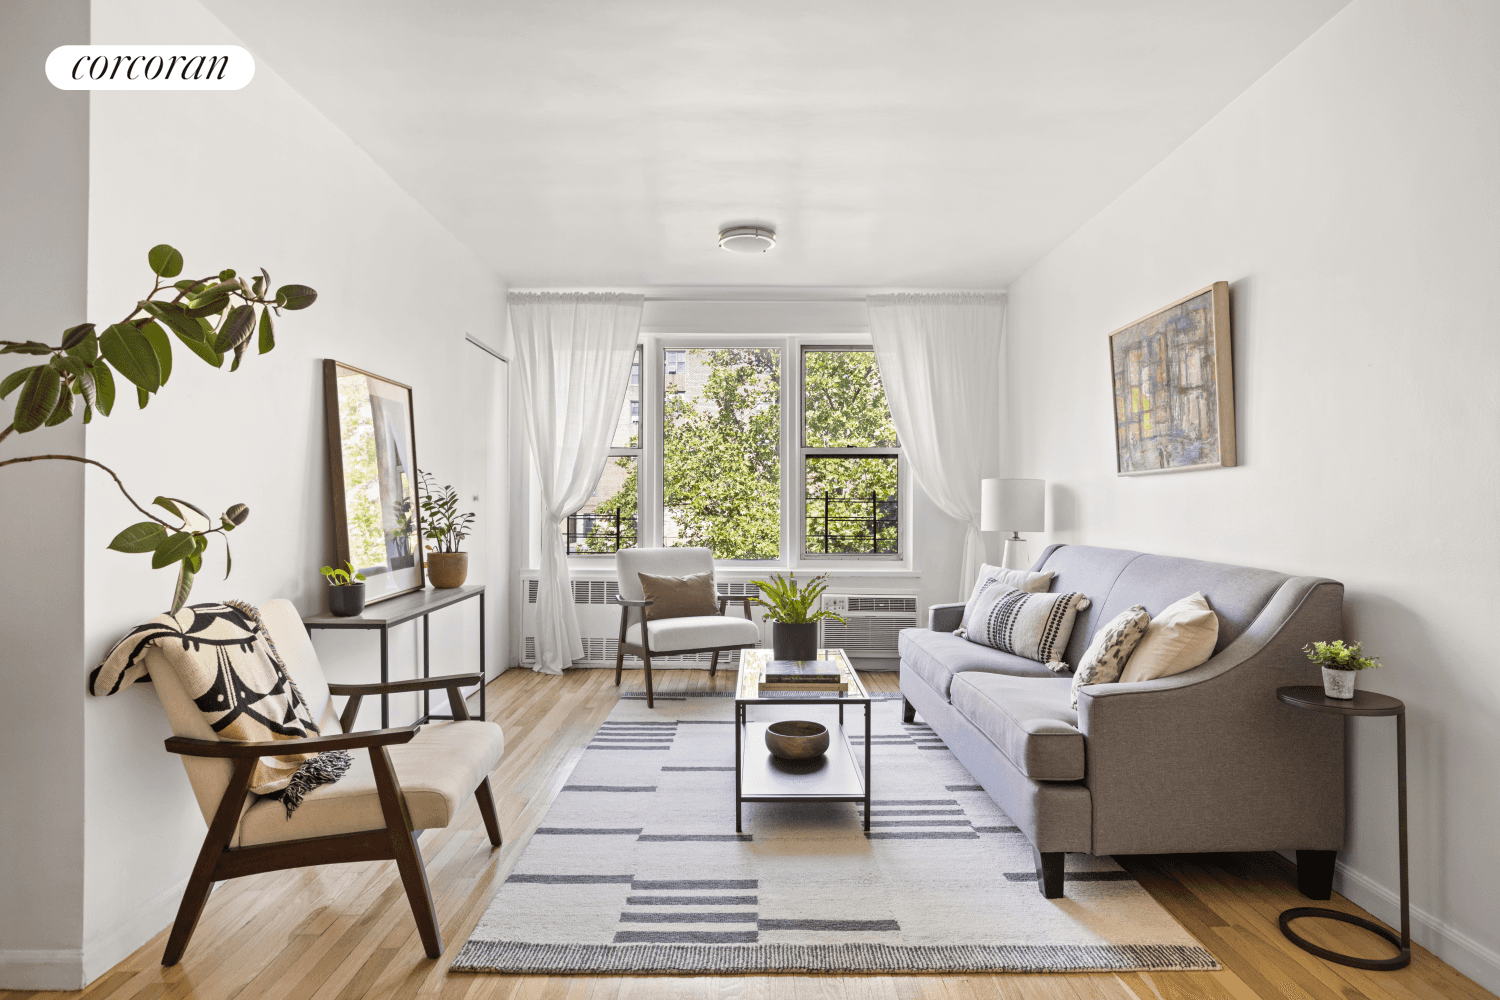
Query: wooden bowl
[[795, 740]]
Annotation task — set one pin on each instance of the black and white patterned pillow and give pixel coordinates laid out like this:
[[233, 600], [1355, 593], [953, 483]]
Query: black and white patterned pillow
[[998, 576], [1036, 626], [1104, 660]]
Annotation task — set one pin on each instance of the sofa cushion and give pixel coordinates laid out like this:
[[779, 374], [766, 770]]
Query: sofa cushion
[[993, 576], [937, 656], [699, 632], [1028, 718], [1089, 570]]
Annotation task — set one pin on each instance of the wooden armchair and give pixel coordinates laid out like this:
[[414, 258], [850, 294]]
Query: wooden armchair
[[403, 780], [674, 636]]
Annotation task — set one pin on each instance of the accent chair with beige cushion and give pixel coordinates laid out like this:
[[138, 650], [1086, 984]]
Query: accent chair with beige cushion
[[698, 623], [403, 780]]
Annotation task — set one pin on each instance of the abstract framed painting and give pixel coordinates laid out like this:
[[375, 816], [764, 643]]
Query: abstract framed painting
[[1174, 387]]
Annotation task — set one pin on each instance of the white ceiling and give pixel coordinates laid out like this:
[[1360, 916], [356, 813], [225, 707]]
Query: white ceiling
[[603, 143]]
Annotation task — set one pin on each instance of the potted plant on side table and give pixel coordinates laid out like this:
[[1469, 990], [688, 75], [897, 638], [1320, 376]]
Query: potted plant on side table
[[794, 622], [1339, 662], [442, 524], [346, 590]]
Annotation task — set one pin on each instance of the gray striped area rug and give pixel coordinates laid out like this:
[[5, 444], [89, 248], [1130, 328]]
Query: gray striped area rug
[[637, 869]]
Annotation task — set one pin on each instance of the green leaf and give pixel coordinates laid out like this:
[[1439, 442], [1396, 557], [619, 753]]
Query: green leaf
[[38, 398], [192, 507], [104, 383], [30, 347], [162, 345], [176, 318], [83, 381], [228, 558], [12, 380], [295, 296], [211, 306], [166, 504], [189, 285], [143, 536], [86, 347], [183, 589], [267, 336], [178, 545], [237, 328], [239, 352], [165, 261], [131, 353], [74, 335], [142, 397], [63, 410], [214, 291], [237, 514], [203, 350]]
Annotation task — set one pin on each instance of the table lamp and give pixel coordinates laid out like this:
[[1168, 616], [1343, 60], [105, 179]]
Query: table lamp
[[1013, 505]]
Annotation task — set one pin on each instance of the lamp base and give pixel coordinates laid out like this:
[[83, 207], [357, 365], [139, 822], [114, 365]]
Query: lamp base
[[1016, 555]]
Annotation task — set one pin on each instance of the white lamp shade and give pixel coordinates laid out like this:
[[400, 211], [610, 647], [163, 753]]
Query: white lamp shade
[[1013, 505]]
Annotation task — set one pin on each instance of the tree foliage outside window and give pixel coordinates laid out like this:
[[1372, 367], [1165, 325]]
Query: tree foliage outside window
[[851, 499]]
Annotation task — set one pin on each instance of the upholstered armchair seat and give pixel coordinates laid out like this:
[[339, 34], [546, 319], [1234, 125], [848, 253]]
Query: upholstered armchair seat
[[696, 633]]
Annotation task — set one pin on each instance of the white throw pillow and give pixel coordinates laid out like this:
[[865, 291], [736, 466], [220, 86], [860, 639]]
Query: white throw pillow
[[1179, 639], [995, 576]]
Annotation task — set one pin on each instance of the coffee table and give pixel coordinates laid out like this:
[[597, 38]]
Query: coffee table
[[761, 777]]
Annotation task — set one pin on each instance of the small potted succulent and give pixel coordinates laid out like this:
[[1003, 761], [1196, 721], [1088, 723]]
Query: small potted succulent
[[1339, 662], [443, 525], [794, 628], [346, 590]]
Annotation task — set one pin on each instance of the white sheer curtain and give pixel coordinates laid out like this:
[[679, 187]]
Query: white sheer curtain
[[573, 353], [940, 360]]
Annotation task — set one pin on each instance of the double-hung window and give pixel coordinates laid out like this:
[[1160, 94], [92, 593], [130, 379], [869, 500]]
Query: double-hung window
[[608, 521], [850, 457]]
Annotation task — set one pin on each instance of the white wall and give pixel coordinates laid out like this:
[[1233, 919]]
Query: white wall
[[1350, 198], [43, 269], [267, 181]]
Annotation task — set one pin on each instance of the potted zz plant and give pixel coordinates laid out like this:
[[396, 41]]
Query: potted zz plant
[[794, 628], [443, 525], [1339, 662], [346, 590]]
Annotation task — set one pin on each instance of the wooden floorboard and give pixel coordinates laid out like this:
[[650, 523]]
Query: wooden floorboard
[[344, 932]]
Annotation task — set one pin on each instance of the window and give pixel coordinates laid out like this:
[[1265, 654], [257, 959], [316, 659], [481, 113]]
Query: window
[[608, 521], [721, 450], [851, 461]]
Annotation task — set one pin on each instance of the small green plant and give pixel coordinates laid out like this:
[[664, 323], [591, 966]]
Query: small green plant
[[441, 521], [1337, 656], [790, 604], [342, 577]]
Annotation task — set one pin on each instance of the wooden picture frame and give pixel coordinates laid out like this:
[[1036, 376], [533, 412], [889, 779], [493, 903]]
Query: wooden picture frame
[[372, 440], [1173, 383]]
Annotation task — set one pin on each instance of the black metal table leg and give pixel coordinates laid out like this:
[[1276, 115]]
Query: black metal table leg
[[867, 764], [426, 672], [483, 677], [739, 721]]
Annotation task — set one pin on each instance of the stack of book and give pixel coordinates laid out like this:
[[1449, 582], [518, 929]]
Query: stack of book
[[803, 676]]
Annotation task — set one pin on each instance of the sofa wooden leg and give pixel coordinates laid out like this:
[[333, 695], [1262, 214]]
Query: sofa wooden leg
[[1049, 872], [619, 662], [908, 711], [188, 912], [1315, 873], [713, 664], [486, 802], [408, 855]]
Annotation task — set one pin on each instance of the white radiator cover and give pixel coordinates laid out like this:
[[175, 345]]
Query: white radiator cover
[[599, 624], [872, 622]]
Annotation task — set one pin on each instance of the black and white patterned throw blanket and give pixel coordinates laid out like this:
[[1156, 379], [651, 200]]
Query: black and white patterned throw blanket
[[225, 660]]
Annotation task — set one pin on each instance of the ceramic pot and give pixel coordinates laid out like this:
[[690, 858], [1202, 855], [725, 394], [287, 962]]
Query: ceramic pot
[[446, 570], [346, 601], [794, 642], [1338, 683]]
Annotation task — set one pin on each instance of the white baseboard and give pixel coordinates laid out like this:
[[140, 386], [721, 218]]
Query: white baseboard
[[1474, 959], [41, 969], [104, 951]]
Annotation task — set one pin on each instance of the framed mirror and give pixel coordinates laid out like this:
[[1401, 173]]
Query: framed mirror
[[372, 457]]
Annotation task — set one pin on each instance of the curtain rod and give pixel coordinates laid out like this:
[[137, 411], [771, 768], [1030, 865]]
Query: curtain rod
[[694, 298]]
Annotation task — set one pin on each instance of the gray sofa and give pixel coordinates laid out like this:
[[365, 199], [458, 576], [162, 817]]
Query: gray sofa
[[1207, 760]]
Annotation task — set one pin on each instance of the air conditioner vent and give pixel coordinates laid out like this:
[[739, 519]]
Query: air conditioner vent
[[595, 591], [531, 586], [871, 625], [907, 605], [531, 649], [738, 590]]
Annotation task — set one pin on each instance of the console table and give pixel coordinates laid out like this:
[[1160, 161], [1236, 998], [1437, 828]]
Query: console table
[[1363, 703], [394, 611]]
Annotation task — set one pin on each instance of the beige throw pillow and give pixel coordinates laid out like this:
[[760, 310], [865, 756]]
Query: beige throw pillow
[[1179, 639], [679, 596], [1105, 658], [995, 576]]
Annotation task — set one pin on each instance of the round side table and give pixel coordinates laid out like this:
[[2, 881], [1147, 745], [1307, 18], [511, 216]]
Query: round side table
[[1363, 703]]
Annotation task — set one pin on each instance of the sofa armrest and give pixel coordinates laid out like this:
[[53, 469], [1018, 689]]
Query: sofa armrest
[[1209, 760], [946, 617]]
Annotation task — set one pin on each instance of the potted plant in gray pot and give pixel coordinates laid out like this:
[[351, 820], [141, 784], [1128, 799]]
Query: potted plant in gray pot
[[443, 525], [1339, 662], [794, 615], [346, 590]]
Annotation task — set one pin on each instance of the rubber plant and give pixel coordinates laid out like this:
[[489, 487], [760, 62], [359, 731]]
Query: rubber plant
[[214, 317]]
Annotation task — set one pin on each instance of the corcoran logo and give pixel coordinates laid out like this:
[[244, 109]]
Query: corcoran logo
[[150, 67]]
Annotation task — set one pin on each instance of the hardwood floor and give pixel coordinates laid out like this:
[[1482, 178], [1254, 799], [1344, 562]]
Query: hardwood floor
[[345, 931]]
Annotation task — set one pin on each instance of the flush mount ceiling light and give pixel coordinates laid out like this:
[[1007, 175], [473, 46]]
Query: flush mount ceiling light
[[747, 239]]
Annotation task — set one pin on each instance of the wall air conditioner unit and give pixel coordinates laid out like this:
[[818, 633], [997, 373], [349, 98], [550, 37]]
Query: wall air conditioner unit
[[599, 625], [871, 622]]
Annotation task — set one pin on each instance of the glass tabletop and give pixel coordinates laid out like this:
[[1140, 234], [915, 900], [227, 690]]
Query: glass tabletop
[[753, 664]]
